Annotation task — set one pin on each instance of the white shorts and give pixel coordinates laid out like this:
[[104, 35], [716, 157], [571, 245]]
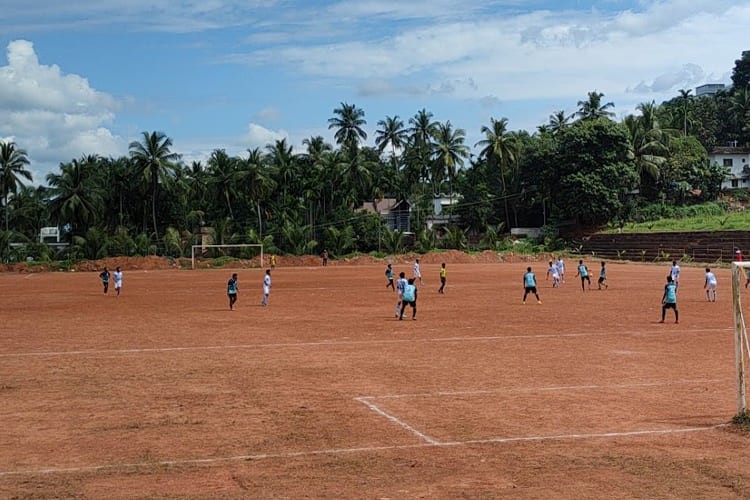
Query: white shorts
[[711, 286], [266, 289], [118, 284]]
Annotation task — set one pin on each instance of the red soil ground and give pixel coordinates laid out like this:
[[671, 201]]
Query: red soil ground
[[163, 392]]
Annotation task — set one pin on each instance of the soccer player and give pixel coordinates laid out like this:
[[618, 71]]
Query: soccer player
[[104, 276], [410, 298], [118, 280], [738, 255], [273, 261], [669, 300], [324, 257], [442, 278], [710, 284], [417, 272], [561, 268], [266, 287], [400, 287], [603, 277], [583, 272], [232, 289], [389, 275], [555, 272], [529, 285], [675, 273]]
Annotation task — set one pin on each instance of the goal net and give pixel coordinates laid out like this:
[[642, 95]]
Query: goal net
[[740, 276], [245, 254]]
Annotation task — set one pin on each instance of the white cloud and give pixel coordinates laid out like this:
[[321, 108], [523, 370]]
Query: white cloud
[[268, 114], [54, 116], [258, 136]]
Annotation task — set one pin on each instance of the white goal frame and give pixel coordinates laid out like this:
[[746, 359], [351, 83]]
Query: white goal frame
[[198, 249], [741, 344]]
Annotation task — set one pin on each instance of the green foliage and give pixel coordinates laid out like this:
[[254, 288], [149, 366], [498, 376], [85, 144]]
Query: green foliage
[[454, 238], [92, 245], [339, 241], [393, 241], [426, 241], [492, 238]]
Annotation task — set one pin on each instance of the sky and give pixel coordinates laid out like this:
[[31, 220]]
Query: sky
[[88, 77]]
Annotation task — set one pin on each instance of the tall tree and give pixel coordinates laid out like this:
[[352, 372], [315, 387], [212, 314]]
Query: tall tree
[[13, 161], [393, 133], [223, 173], [450, 150], [592, 108], [685, 99], [558, 121], [154, 158], [75, 196], [255, 181], [499, 150], [741, 71], [348, 123]]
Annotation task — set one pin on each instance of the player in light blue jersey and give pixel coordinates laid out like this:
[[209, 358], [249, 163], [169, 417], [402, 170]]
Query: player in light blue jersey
[[400, 287], [583, 272], [669, 300], [232, 289], [529, 285]]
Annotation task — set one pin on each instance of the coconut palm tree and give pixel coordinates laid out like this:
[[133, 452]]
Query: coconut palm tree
[[13, 161], [685, 99], [393, 133], [154, 158], [500, 151], [222, 171], [450, 150], [558, 121], [348, 124], [75, 198], [592, 108], [254, 180]]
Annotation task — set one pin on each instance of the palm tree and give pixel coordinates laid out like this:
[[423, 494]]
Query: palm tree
[[592, 108], [685, 98], [75, 198], [391, 132], [450, 150], [12, 163], [348, 124], [740, 109], [422, 128], [153, 157], [558, 121], [500, 151], [648, 141], [222, 170], [253, 179]]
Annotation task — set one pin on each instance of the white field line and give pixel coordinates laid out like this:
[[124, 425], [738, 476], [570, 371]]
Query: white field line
[[337, 343], [342, 451], [397, 421], [543, 389]]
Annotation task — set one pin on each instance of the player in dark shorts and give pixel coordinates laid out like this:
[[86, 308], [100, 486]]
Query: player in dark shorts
[[529, 285], [389, 277], [104, 276], [410, 298], [232, 289]]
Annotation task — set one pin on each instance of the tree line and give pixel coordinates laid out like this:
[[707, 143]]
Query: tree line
[[582, 167]]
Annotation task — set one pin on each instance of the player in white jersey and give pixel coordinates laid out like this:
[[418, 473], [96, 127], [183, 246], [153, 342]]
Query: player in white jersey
[[266, 287], [675, 273], [417, 272], [401, 283], [117, 275], [555, 273], [561, 268], [710, 284]]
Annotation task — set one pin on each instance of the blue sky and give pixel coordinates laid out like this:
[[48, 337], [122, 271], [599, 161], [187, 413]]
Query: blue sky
[[87, 77]]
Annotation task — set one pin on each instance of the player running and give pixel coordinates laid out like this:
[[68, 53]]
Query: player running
[[603, 277], [583, 272], [104, 276], [118, 280], [669, 300], [529, 285], [410, 299], [400, 287], [417, 272], [555, 273], [710, 284], [561, 268], [389, 276]]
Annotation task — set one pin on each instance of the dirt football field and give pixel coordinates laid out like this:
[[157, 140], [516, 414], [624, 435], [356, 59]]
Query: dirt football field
[[164, 392]]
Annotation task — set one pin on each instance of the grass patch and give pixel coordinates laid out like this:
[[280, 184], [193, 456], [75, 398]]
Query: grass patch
[[736, 221], [742, 421]]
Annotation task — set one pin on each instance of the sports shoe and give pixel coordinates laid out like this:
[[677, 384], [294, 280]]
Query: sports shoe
[[523, 302], [538, 301]]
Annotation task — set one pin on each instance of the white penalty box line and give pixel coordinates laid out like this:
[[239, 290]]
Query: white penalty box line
[[425, 441], [368, 401]]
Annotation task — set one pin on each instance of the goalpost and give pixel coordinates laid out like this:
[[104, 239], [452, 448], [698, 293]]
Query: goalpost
[[198, 251], [741, 344]]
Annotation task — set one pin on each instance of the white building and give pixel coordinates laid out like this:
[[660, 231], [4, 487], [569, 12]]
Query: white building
[[738, 162], [708, 90]]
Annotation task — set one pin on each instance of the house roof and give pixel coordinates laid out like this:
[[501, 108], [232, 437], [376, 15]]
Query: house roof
[[730, 151], [382, 206]]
